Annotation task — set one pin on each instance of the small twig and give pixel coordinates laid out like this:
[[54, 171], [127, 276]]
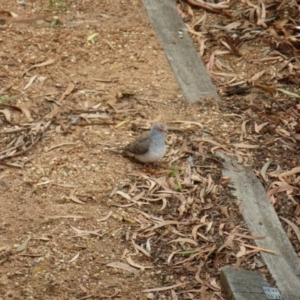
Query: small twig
[[113, 80], [3, 91], [112, 106], [10, 165], [86, 297], [10, 149], [85, 111], [151, 100], [34, 142], [44, 95], [210, 9], [15, 130], [60, 145], [104, 122]]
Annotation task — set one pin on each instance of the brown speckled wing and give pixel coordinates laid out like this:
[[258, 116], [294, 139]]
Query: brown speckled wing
[[140, 145]]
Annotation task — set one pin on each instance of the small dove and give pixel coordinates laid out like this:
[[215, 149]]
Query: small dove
[[150, 146]]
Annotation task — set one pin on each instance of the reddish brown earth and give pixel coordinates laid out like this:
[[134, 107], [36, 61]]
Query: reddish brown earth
[[80, 77]]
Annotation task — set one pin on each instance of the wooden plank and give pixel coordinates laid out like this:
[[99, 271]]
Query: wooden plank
[[242, 284], [262, 220], [180, 50]]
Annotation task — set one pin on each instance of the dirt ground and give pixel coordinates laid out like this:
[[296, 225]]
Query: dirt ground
[[79, 221]]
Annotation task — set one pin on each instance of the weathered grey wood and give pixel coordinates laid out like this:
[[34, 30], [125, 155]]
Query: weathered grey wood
[[242, 284], [262, 220], [180, 50]]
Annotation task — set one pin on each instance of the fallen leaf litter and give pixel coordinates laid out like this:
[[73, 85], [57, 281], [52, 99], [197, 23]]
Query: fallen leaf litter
[[180, 219]]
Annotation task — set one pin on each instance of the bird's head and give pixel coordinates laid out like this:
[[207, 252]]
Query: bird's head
[[159, 127]]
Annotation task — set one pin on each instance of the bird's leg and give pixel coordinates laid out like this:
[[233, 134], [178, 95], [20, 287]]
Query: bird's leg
[[148, 167], [154, 168]]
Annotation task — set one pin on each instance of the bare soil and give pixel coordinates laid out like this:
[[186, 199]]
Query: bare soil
[[78, 78]]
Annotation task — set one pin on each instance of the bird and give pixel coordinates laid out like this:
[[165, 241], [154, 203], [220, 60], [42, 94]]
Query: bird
[[150, 146]]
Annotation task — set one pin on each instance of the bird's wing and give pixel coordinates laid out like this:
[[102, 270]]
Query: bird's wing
[[140, 145]]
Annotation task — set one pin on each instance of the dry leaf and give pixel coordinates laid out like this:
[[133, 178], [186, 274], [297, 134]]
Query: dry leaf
[[86, 232], [185, 240], [242, 252], [74, 198], [67, 92], [23, 246], [124, 195], [259, 249], [289, 173], [7, 114], [25, 111], [46, 63], [64, 217], [269, 89], [55, 110], [165, 288], [30, 82], [294, 226], [257, 76], [136, 265], [122, 266], [246, 146], [74, 258], [258, 128], [106, 217]]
